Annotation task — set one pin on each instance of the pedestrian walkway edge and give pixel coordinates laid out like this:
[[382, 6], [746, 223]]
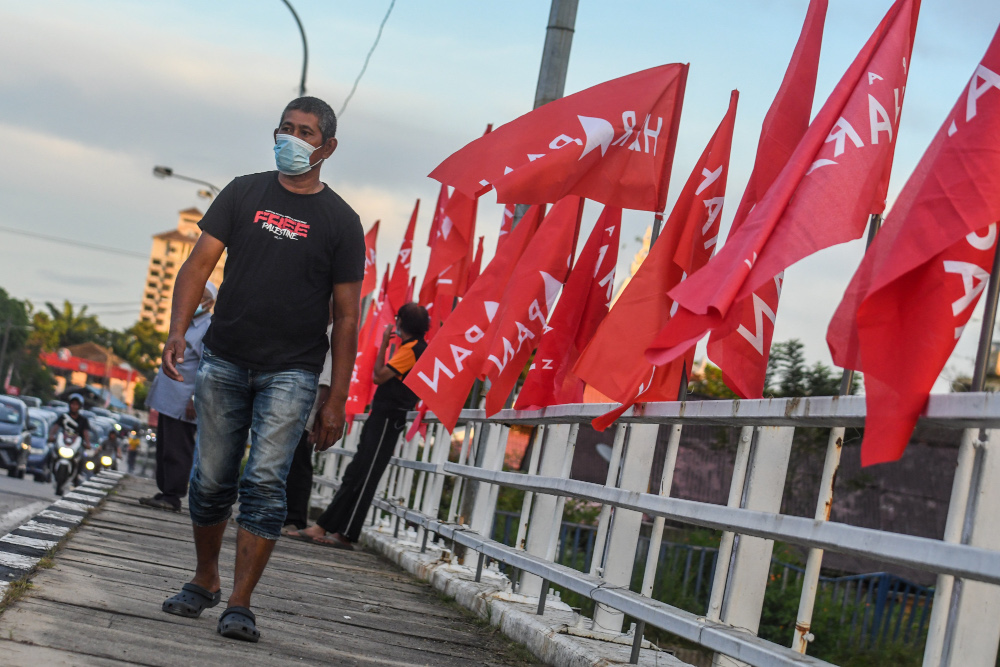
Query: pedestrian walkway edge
[[543, 635], [22, 548]]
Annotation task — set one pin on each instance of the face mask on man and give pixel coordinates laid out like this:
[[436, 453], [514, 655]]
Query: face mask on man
[[292, 154]]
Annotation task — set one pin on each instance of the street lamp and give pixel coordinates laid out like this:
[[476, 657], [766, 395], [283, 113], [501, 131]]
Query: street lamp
[[167, 172], [305, 48]]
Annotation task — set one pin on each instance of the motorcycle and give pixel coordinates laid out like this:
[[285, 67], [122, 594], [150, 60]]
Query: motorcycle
[[68, 460], [99, 461]]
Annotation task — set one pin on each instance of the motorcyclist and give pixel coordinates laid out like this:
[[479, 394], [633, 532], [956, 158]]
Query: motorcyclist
[[73, 420], [112, 445]]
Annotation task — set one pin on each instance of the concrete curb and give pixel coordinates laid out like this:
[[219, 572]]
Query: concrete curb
[[23, 547], [543, 635]]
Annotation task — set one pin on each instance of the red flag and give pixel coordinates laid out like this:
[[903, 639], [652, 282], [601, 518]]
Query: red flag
[[581, 308], [613, 143], [401, 272], [451, 246], [836, 177], [444, 374], [741, 355], [910, 300], [476, 267], [442, 201], [409, 290], [362, 386], [528, 299], [613, 362], [371, 275], [505, 224]]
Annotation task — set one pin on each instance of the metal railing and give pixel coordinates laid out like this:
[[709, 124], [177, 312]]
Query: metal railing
[[966, 562], [870, 609]]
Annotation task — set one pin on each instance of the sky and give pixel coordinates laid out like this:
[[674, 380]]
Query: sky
[[94, 94]]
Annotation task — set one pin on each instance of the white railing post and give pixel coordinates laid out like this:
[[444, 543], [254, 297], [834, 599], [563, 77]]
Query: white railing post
[[435, 481], [574, 431], [546, 514], [751, 560], [656, 536], [463, 456], [485, 503], [810, 580], [604, 519], [425, 455], [536, 451], [972, 631], [725, 553], [624, 535]]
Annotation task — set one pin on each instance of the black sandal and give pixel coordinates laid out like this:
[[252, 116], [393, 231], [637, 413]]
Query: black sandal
[[239, 623], [191, 601]]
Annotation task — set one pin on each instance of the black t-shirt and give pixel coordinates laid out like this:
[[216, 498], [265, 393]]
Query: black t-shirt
[[82, 424], [286, 251], [393, 395]]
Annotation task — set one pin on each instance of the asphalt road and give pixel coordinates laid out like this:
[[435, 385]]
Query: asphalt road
[[21, 499]]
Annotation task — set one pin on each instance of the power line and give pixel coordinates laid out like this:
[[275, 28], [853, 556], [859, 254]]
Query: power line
[[367, 58], [74, 243]]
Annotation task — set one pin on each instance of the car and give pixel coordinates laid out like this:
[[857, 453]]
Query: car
[[31, 401], [40, 454], [59, 405], [15, 436]]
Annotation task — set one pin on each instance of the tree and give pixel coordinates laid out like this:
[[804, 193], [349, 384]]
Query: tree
[[62, 327], [710, 383], [141, 345], [788, 375], [20, 349]]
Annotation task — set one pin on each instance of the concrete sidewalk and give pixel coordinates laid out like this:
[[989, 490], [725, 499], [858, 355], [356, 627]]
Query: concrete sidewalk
[[100, 604]]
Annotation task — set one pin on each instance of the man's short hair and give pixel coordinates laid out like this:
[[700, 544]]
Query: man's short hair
[[413, 319], [320, 109]]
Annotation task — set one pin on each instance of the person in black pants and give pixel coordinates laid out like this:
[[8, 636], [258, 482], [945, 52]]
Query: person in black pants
[[345, 515], [176, 428]]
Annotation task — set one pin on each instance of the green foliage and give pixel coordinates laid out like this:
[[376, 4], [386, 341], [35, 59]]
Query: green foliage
[[65, 326], [21, 349], [789, 376], [36, 331], [710, 383], [139, 395], [140, 345]]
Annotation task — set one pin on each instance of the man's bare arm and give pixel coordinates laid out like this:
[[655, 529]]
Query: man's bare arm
[[188, 291], [344, 349]]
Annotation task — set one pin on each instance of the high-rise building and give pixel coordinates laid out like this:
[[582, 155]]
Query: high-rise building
[[169, 251]]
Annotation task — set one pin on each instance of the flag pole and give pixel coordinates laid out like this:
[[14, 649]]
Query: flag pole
[[989, 321], [966, 482], [810, 579]]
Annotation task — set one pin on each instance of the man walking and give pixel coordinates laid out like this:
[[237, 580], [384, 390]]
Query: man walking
[[293, 244], [345, 516], [174, 401]]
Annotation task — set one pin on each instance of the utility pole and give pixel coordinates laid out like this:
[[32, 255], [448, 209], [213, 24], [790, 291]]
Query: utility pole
[[555, 63], [555, 53]]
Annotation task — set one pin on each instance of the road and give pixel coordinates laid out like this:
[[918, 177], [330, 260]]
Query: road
[[21, 499]]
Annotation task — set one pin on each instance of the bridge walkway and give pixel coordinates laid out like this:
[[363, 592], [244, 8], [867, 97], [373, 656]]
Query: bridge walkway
[[99, 604]]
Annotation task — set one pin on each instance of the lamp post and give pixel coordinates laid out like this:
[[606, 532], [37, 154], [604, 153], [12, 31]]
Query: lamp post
[[305, 48], [167, 172]]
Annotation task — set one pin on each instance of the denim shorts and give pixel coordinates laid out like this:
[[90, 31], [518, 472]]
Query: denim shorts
[[233, 401]]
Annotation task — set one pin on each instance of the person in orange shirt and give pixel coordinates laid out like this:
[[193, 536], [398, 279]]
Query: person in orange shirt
[[345, 515]]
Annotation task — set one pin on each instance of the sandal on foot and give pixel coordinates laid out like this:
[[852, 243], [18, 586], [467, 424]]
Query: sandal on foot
[[191, 601], [333, 543], [239, 623]]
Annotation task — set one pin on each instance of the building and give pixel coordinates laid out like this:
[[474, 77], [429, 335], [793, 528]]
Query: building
[[169, 251]]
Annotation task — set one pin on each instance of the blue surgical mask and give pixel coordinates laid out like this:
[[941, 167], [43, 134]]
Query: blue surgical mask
[[292, 154]]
